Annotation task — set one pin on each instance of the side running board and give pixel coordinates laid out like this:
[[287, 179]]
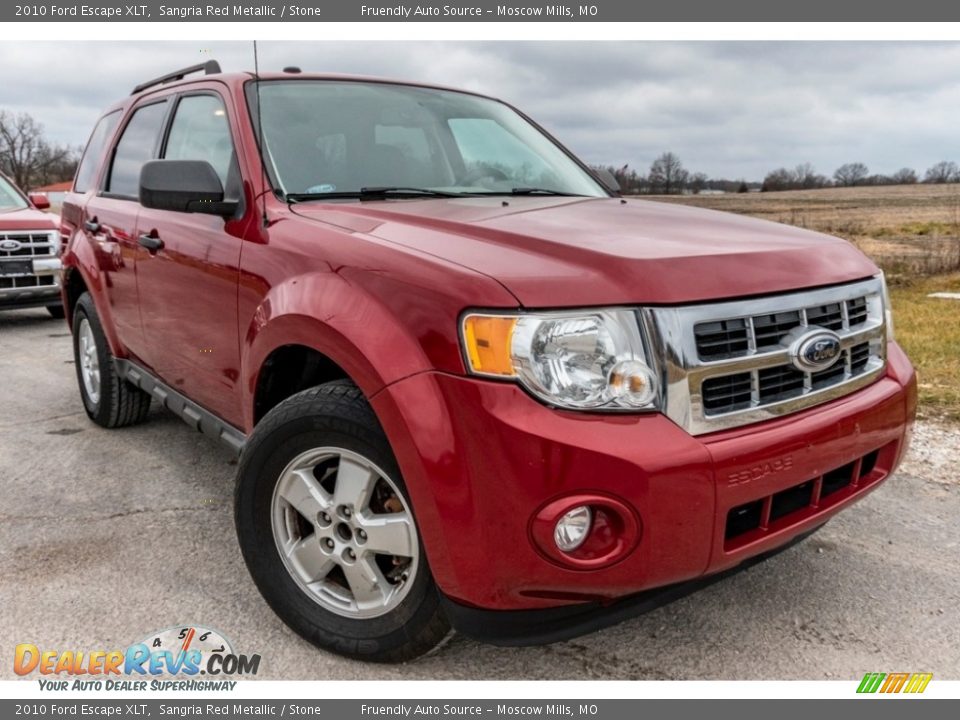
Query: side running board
[[192, 414]]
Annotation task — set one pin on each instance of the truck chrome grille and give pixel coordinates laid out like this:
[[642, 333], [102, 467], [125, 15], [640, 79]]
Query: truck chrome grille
[[729, 363], [32, 244]]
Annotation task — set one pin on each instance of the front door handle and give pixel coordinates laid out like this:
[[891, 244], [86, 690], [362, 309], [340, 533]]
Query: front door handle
[[92, 226], [151, 242]]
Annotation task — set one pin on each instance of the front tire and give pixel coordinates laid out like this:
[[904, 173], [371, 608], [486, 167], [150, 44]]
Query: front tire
[[327, 529], [110, 401], [56, 311]]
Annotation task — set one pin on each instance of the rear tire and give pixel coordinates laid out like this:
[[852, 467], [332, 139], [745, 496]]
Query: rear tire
[[109, 400], [327, 529]]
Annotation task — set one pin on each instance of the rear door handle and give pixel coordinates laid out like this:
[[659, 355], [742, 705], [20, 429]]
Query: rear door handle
[[92, 226], [151, 242]]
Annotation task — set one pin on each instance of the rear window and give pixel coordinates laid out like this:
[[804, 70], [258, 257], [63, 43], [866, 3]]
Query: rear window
[[94, 151], [137, 145]]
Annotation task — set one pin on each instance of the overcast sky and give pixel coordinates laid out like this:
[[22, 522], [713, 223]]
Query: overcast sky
[[732, 110]]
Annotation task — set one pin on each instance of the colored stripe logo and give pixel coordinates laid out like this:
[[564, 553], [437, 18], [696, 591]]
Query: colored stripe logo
[[894, 682]]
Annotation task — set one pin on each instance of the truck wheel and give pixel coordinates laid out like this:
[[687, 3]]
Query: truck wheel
[[328, 533], [109, 400], [56, 311]]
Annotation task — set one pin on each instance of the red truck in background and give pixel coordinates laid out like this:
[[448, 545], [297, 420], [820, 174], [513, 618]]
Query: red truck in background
[[471, 387], [29, 251]]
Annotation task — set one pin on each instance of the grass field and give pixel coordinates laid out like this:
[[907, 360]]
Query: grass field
[[913, 233]]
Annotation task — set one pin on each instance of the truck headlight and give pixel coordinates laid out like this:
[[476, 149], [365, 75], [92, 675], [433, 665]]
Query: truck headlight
[[583, 360]]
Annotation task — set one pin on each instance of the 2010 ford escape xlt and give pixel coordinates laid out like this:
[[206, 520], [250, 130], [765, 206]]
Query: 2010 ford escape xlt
[[470, 386]]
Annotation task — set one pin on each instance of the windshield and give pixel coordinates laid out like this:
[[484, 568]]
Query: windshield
[[10, 199], [332, 137]]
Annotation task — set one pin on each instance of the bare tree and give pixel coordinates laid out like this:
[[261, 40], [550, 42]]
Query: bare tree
[[667, 174], [27, 157], [904, 176], [806, 177], [851, 174], [943, 172], [697, 182], [779, 179]]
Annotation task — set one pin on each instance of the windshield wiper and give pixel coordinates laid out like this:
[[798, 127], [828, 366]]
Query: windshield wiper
[[376, 193], [533, 191]]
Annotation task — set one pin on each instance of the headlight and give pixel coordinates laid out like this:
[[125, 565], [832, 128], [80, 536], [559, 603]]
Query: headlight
[[888, 311], [589, 359]]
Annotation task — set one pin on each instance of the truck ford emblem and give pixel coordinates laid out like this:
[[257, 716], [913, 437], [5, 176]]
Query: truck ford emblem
[[815, 350], [9, 245]]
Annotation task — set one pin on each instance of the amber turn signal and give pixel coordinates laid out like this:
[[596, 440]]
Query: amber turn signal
[[487, 339]]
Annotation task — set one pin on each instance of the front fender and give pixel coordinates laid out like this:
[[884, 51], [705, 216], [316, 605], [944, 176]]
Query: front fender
[[337, 319]]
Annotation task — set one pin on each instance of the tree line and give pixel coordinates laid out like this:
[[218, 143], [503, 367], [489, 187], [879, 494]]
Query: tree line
[[668, 176], [28, 158], [805, 177]]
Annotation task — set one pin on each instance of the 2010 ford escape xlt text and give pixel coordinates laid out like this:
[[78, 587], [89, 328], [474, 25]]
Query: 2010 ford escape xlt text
[[470, 386]]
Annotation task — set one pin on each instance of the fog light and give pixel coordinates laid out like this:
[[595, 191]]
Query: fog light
[[572, 529]]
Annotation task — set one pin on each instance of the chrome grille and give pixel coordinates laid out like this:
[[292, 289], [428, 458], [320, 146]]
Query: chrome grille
[[32, 244], [728, 364], [735, 337]]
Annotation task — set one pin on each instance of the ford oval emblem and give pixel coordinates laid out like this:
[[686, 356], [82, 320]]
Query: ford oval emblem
[[10, 245], [815, 350]]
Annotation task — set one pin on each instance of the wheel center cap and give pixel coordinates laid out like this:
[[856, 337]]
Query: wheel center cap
[[344, 532]]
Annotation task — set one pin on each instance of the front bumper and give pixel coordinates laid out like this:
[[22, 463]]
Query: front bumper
[[38, 289], [480, 458]]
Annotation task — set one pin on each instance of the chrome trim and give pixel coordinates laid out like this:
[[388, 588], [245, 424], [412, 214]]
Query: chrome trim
[[670, 331], [37, 243], [47, 266]]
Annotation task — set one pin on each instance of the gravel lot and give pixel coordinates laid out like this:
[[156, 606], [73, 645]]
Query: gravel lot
[[106, 536]]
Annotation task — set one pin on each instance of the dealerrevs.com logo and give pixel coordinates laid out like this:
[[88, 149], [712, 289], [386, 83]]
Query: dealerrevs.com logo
[[170, 659]]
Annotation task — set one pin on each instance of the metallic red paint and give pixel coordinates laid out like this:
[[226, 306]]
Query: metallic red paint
[[614, 532], [481, 456], [378, 287]]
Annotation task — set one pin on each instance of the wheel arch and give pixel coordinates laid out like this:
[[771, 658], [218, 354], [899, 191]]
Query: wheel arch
[[81, 274], [328, 329]]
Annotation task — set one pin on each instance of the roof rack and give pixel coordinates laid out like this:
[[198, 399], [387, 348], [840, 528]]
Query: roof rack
[[211, 67]]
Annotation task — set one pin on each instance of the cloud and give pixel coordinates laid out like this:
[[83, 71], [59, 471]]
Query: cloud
[[735, 109]]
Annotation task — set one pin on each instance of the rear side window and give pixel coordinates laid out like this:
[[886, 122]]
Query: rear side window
[[94, 152], [136, 146], [200, 131]]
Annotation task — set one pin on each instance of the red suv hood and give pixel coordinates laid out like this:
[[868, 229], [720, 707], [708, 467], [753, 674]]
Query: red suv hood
[[27, 219], [553, 252]]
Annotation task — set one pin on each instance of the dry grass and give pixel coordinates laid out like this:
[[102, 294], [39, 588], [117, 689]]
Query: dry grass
[[909, 230], [913, 233], [929, 330]]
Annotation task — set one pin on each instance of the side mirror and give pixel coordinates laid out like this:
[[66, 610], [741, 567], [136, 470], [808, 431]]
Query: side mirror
[[183, 186], [40, 200], [609, 181]]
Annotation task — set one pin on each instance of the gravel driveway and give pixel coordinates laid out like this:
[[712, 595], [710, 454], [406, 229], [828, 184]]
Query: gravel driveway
[[106, 536]]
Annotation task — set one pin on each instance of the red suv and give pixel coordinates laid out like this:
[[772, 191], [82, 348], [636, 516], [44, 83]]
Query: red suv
[[29, 251], [470, 386]]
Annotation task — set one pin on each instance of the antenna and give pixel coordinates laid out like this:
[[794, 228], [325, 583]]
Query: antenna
[[263, 159]]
